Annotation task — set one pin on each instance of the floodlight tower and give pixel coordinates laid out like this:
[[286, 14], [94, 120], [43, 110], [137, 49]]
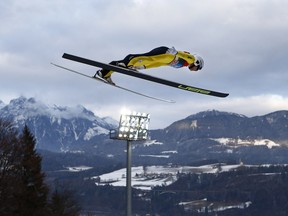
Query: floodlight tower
[[132, 126]]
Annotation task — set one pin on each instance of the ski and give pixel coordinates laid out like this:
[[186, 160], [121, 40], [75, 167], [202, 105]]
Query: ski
[[116, 86], [137, 74]]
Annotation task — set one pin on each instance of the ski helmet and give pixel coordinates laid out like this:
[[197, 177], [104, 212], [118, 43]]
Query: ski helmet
[[199, 62]]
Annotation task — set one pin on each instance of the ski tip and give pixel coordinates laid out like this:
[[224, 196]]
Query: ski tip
[[225, 95], [218, 94]]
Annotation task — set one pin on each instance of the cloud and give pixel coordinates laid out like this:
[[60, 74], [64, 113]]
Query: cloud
[[243, 42]]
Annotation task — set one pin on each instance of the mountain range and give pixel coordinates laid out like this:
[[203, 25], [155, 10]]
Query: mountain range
[[207, 135], [56, 128], [209, 154]]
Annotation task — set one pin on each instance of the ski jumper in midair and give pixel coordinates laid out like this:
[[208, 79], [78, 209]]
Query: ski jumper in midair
[[161, 56]]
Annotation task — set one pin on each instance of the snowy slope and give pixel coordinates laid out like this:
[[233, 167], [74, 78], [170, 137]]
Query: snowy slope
[[147, 177], [242, 142], [55, 127]]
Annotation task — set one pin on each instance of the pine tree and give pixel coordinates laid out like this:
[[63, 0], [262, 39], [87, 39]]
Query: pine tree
[[33, 197], [63, 204], [9, 166], [22, 188]]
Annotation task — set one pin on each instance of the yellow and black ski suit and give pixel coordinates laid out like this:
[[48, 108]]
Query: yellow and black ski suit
[[160, 56]]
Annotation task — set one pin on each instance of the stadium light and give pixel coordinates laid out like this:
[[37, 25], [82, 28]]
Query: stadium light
[[132, 126]]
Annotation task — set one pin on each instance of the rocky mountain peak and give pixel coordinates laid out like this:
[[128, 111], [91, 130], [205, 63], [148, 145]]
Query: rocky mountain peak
[[56, 127], [2, 104], [213, 113]]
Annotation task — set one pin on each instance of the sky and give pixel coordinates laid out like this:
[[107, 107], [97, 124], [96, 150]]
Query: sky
[[244, 44]]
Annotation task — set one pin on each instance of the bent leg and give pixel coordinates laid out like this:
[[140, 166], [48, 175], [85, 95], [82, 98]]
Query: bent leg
[[128, 58], [156, 51], [107, 73]]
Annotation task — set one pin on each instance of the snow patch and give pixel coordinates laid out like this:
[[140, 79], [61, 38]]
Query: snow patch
[[169, 152], [78, 168], [193, 124], [237, 142], [152, 142], [91, 132], [155, 156]]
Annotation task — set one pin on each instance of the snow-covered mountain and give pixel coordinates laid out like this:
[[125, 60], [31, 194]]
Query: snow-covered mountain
[[205, 135], [56, 128], [215, 124], [224, 136]]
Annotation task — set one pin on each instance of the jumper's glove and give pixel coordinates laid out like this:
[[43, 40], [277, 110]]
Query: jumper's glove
[[172, 51]]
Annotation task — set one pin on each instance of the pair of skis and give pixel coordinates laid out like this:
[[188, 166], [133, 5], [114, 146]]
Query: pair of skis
[[137, 74], [116, 86]]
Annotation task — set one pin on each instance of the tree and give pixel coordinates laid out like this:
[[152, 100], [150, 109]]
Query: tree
[[9, 167], [63, 204], [33, 197], [22, 188]]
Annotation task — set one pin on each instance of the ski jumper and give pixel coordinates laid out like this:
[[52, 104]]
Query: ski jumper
[[161, 56]]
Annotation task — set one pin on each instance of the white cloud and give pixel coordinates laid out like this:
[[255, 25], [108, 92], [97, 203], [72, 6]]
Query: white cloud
[[244, 44]]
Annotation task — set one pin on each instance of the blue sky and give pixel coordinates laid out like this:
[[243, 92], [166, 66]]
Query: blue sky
[[244, 44]]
